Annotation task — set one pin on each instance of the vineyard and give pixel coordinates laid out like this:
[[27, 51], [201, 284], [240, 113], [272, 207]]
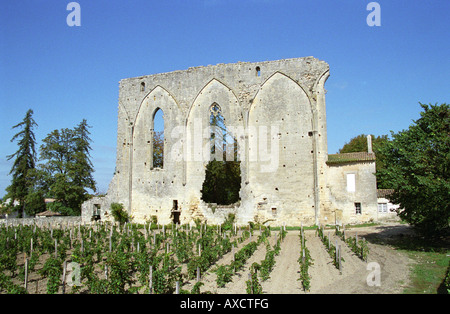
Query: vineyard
[[106, 258]]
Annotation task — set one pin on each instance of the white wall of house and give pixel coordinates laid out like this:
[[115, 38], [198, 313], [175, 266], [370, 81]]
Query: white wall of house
[[386, 210]]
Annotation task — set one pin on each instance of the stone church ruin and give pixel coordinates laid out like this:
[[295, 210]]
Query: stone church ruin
[[274, 110]]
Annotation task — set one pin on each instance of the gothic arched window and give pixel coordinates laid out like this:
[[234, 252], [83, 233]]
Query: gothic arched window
[[158, 139]]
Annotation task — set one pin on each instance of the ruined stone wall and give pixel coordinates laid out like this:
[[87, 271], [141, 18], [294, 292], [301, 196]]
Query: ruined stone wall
[[274, 109], [42, 221]]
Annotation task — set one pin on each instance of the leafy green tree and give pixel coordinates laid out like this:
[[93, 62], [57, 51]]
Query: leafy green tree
[[119, 214], [223, 177], [356, 144], [417, 164], [158, 149], [22, 187], [359, 144], [35, 199], [67, 168], [222, 182]]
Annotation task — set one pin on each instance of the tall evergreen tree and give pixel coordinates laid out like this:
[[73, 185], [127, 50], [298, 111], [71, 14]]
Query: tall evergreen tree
[[83, 175], [23, 170]]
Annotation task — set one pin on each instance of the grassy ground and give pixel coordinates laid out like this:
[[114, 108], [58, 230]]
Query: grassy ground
[[429, 273], [431, 266]]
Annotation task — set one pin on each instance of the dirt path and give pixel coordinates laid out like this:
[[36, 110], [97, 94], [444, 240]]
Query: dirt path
[[392, 266], [322, 272], [283, 278], [351, 279], [209, 278]]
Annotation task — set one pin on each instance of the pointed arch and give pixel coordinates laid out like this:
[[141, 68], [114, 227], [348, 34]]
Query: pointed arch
[[274, 76], [320, 82], [144, 131], [157, 90], [156, 111], [213, 84], [197, 152], [214, 92], [280, 120]]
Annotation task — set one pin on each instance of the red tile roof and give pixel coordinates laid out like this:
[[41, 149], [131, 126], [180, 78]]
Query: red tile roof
[[48, 213], [350, 157], [382, 193]]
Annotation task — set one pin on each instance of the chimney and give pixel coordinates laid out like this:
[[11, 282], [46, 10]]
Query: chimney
[[369, 144]]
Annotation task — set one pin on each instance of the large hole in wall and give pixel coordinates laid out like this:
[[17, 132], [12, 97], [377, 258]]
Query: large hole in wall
[[222, 182], [223, 172]]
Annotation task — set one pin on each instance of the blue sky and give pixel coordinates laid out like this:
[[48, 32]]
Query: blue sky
[[65, 74]]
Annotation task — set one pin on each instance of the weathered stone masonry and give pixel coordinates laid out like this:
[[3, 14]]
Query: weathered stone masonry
[[276, 111]]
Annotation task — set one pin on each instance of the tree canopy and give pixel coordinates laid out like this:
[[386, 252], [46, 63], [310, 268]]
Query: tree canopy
[[417, 164], [64, 171], [67, 168], [222, 182], [222, 176], [158, 149], [22, 191], [359, 144]]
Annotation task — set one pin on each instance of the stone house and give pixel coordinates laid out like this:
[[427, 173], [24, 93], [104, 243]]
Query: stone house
[[352, 186]]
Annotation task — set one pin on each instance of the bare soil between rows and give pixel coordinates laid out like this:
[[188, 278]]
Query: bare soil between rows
[[394, 266]]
